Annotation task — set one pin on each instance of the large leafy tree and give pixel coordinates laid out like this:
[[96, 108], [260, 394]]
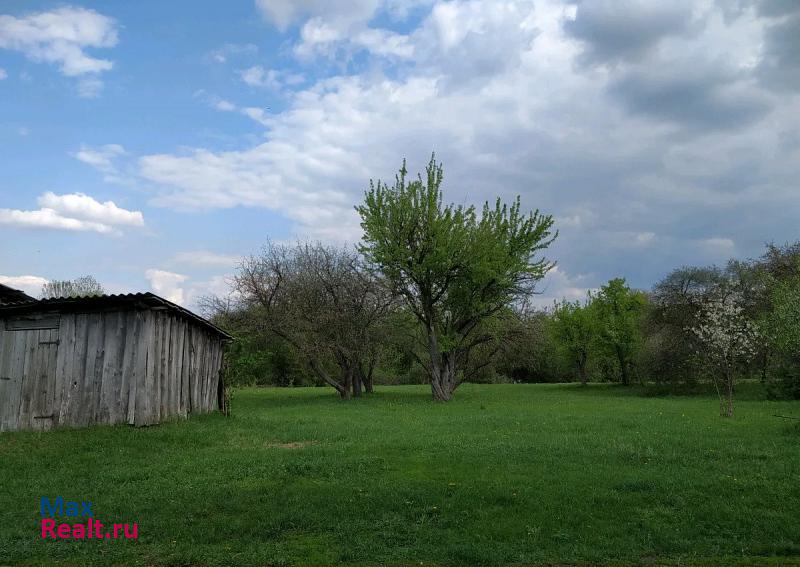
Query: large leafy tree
[[573, 329], [455, 268], [676, 304], [619, 311]]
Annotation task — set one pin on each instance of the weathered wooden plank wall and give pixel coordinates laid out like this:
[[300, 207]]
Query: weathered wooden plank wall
[[136, 367]]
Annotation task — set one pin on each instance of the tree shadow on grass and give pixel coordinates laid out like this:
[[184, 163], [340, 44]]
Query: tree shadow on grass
[[746, 390], [327, 397]]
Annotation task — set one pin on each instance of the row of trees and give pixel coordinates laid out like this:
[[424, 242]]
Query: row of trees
[[696, 323], [429, 279], [441, 294]]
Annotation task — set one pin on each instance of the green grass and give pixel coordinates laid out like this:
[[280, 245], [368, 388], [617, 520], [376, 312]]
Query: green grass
[[502, 475]]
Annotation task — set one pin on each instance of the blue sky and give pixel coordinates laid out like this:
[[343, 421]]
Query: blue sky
[[150, 144]]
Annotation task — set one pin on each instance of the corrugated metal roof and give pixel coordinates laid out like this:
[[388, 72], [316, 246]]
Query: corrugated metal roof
[[98, 302], [9, 295]]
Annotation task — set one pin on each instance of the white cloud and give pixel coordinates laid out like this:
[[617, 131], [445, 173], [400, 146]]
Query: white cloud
[[283, 13], [73, 212], [204, 258], [32, 285], [254, 113], [257, 114], [167, 284], [180, 289], [61, 36], [48, 218], [558, 286], [3, 74], [82, 206], [101, 158], [217, 285], [505, 96], [274, 79], [224, 105], [320, 37]]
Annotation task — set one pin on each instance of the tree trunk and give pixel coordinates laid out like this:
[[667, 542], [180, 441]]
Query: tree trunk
[[368, 385], [347, 379], [443, 380], [442, 369], [729, 396], [582, 373], [317, 368], [356, 382], [623, 366]]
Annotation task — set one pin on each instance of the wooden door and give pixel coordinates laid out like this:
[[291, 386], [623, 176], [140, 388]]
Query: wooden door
[[27, 374]]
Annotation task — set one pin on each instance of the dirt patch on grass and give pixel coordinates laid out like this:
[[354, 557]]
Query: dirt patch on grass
[[289, 445]]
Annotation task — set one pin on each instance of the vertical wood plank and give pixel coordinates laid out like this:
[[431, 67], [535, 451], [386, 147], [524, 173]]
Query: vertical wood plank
[[95, 353], [108, 410], [186, 371], [74, 412], [11, 389], [127, 393], [145, 369], [64, 364], [180, 340]]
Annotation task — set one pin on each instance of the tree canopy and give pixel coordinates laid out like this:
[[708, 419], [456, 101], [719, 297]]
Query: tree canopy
[[454, 268]]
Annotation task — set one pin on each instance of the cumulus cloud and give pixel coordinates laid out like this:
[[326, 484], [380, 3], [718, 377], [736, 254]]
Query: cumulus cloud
[[780, 65], [32, 285], [558, 285], [73, 212], [167, 284], [283, 13], [3, 74], [648, 133], [61, 36], [331, 25], [82, 206], [181, 289], [691, 95], [627, 29]]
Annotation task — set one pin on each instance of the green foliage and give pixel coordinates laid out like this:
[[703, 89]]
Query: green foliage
[[254, 360], [619, 314], [782, 326], [454, 268], [783, 321], [573, 326], [529, 353]]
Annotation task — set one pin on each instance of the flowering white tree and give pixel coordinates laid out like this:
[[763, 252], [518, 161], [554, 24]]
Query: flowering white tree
[[728, 338]]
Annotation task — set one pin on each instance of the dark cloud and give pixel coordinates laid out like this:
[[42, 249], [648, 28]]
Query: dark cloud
[[626, 30], [780, 63], [696, 98], [772, 8]]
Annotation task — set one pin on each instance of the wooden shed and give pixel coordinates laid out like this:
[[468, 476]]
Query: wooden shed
[[135, 358]]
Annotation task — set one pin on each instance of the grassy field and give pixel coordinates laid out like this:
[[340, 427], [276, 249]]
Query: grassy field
[[503, 475]]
